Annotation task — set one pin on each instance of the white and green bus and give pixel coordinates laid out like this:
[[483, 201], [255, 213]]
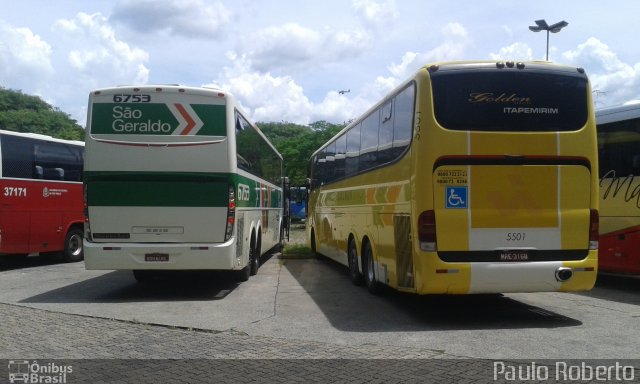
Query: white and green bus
[[177, 178]]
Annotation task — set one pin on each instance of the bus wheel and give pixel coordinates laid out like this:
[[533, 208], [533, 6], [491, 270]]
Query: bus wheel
[[354, 273], [73, 250], [369, 273], [243, 274], [143, 276], [280, 245], [254, 260], [314, 251]]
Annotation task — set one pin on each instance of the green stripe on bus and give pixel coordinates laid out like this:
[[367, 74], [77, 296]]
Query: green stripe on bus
[[157, 189], [250, 193], [179, 189]]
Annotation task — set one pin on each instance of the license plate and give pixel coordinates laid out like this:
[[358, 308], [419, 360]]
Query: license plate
[[514, 255], [156, 257]]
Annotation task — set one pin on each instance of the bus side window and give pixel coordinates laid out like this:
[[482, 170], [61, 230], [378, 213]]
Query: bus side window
[[17, 157], [353, 151], [340, 157], [53, 174], [369, 142], [385, 135], [329, 165], [403, 120], [72, 176], [320, 168]]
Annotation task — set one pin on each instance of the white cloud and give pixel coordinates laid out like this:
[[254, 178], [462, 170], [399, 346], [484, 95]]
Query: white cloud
[[614, 81], [103, 58], [266, 97], [191, 18], [294, 45], [454, 41], [291, 44], [515, 51], [25, 59], [279, 98], [407, 60], [376, 15], [339, 108]]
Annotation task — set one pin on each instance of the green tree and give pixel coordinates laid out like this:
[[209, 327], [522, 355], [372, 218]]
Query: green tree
[[297, 142], [25, 113]]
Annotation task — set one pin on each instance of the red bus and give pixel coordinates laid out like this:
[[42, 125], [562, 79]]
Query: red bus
[[619, 154], [41, 197]]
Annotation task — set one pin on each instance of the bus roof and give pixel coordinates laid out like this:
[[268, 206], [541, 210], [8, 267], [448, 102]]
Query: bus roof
[[38, 136], [455, 65], [183, 89], [492, 64], [617, 113], [171, 88]]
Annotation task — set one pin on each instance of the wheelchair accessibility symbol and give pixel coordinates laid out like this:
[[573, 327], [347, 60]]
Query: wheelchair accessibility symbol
[[456, 197]]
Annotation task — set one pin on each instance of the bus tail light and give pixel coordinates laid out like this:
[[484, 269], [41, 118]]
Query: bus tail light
[[594, 229], [427, 231], [231, 214]]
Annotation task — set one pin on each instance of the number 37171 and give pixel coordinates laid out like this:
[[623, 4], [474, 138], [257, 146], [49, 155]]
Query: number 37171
[[15, 191]]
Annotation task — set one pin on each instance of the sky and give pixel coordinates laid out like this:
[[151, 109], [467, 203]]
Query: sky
[[289, 60]]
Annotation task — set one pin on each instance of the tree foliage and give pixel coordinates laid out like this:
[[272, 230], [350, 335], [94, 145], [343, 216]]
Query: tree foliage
[[25, 113], [297, 142]]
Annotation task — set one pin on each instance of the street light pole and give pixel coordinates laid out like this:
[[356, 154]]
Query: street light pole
[[547, 45], [541, 25]]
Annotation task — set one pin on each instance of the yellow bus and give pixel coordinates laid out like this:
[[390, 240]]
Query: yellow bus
[[470, 177], [619, 156]]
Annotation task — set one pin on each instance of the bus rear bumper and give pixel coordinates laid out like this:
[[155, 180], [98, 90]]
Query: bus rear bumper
[[123, 256], [509, 277]]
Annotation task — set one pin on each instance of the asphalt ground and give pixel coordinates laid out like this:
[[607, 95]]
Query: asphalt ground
[[298, 320]]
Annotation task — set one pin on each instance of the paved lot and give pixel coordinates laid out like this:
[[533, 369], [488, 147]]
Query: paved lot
[[294, 310], [119, 351]]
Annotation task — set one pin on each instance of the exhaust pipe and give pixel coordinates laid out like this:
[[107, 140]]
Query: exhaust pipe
[[563, 274]]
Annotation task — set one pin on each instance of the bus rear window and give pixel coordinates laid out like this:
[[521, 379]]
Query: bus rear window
[[504, 100]]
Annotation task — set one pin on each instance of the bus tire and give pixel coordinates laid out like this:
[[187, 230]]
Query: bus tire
[[280, 245], [254, 262], [73, 250], [312, 240], [369, 271], [254, 256], [143, 276], [354, 273], [243, 274]]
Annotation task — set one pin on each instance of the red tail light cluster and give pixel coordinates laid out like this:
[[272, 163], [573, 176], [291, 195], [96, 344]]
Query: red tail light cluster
[[231, 214], [427, 230]]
